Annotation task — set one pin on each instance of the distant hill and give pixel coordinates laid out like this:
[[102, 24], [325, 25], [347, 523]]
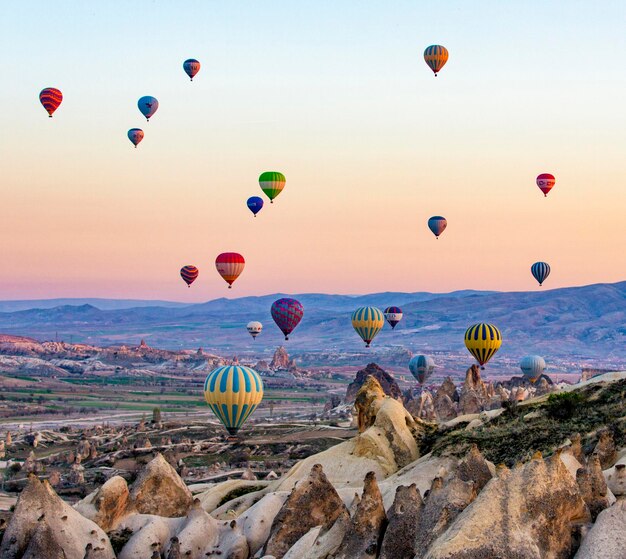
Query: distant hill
[[102, 304], [588, 321]]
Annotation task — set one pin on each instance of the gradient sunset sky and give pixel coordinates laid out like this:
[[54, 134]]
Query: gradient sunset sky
[[336, 95]]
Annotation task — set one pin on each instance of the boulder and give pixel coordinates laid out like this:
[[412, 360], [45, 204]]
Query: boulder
[[385, 380], [312, 502], [403, 518], [367, 525], [159, 490], [45, 526]]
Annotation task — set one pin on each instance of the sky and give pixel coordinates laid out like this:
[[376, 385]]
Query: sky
[[336, 95]]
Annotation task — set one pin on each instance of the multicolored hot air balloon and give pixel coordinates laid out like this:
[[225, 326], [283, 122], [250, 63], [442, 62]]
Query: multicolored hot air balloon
[[233, 392], [148, 106], [421, 367], [135, 135], [532, 366], [368, 321], [540, 271], [230, 265], [254, 328], [255, 204], [393, 315], [437, 224], [189, 274], [482, 341], [272, 183], [545, 182], [50, 98], [191, 67], [436, 56], [287, 314]]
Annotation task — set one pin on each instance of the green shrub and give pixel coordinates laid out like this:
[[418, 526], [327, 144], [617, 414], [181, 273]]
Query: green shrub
[[564, 405]]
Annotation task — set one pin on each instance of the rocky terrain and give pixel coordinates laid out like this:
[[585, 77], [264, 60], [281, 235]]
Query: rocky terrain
[[543, 476]]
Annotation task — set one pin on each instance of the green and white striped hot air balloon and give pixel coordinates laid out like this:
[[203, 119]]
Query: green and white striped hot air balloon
[[272, 183]]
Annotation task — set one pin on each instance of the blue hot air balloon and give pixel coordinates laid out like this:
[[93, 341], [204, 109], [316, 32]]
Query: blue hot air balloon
[[540, 271], [532, 366], [437, 224], [148, 106], [421, 367], [255, 204]]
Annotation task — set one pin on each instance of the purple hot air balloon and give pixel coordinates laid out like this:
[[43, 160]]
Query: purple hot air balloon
[[287, 314]]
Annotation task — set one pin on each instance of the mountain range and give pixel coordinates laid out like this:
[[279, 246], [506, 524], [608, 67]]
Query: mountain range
[[587, 321]]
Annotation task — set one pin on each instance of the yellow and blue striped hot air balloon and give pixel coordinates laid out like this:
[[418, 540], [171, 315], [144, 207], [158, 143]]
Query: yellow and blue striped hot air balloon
[[368, 321], [482, 341], [233, 392]]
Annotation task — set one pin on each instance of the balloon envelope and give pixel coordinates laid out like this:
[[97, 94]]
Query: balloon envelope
[[393, 315], [189, 274], [50, 98], [254, 328], [545, 182], [135, 135], [532, 366], [367, 321], [233, 392], [437, 224], [191, 67], [272, 183], [436, 56], [482, 341], [148, 106], [540, 271], [421, 367], [229, 265], [287, 314], [255, 204]]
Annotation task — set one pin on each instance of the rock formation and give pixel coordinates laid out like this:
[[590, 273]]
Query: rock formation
[[312, 502], [403, 519], [475, 468], [445, 400], [280, 360], [386, 381], [158, 489], [605, 449], [607, 537], [592, 486], [362, 538], [45, 526], [474, 393]]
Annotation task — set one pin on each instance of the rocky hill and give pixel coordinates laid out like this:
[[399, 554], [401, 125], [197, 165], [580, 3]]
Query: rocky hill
[[540, 478]]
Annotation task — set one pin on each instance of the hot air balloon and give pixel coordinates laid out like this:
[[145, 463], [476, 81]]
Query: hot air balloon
[[540, 271], [287, 313], [436, 56], [272, 183], [148, 106], [482, 341], [367, 321], [437, 225], [393, 315], [233, 392], [191, 67], [545, 182], [135, 135], [532, 366], [230, 265], [189, 274], [421, 367], [254, 328], [50, 98], [255, 204]]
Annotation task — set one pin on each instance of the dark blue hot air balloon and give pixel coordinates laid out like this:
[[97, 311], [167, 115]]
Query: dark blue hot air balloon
[[540, 271], [255, 203]]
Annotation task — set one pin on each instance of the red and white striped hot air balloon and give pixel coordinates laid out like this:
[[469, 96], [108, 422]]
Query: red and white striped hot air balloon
[[230, 265]]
